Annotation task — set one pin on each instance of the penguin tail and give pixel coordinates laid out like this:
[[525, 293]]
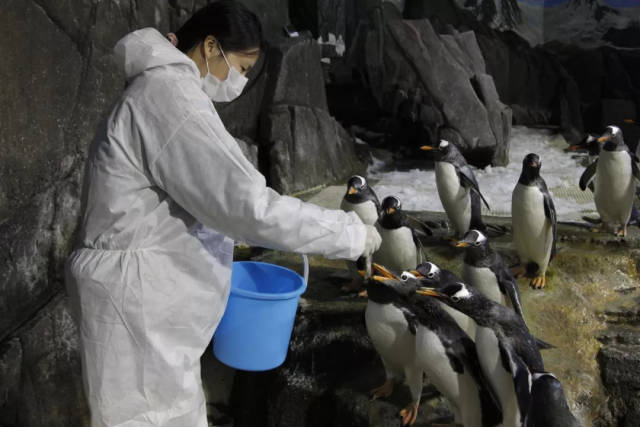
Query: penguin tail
[[543, 345]]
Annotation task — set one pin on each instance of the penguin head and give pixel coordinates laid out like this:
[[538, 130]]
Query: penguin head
[[530, 168], [356, 187], [444, 152], [428, 273], [455, 294], [391, 213], [403, 285], [474, 241], [612, 139]]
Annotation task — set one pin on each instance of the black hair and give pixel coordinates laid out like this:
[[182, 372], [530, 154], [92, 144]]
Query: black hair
[[234, 26]]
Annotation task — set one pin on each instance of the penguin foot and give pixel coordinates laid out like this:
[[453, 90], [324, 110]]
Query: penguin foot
[[363, 294], [622, 232], [538, 282], [384, 390], [410, 413], [518, 271]]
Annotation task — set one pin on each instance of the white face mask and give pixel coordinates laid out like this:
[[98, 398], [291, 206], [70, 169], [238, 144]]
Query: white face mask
[[223, 90]]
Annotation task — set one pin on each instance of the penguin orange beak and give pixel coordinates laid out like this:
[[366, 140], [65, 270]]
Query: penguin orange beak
[[390, 211], [383, 271], [380, 278], [352, 190], [431, 292], [462, 244], [534, 164], [629, 121], [426, 148], [604, 138], [416, 273]]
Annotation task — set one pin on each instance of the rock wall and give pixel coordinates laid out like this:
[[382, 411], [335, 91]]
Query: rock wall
[[59, 80]]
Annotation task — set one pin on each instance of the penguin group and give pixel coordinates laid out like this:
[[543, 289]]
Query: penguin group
[[467, 336]]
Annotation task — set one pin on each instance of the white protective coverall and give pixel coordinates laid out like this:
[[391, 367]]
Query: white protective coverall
[[150, 277]]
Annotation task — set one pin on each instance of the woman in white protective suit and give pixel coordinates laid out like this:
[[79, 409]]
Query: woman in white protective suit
[[162, 172]]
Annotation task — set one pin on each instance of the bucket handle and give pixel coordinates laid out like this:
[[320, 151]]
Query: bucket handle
[[305, 269]]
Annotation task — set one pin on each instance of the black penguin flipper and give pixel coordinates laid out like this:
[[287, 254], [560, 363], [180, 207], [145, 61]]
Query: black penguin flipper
[[375, 199], [634, 169], [411, 318], [521, 377], [509, 286], [476, 222], [468, 180], [588, 175], [550, 213], [417, 225], [543, 345]]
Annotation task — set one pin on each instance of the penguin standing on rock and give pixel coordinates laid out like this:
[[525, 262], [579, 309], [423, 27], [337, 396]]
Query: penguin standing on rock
[[361, 199], [534, 222], [615, 173], [401, 248], [394, 340], [458, 188], [484, 269], [446, 354], [506, 349]]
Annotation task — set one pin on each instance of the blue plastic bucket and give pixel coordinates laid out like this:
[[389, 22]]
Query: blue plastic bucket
[[255, 329]]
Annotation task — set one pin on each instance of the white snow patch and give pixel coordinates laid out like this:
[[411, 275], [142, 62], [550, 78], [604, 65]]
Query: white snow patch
[[416, 188]]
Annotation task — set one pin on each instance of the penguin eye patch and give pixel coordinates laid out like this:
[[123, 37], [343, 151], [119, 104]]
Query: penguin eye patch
[[430, 275]]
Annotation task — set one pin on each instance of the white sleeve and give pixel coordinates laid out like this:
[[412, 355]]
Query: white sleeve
[[202, 168]]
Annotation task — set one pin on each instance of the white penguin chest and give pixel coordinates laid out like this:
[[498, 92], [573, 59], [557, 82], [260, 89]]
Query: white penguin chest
[[367, 210], [532, 231], [432, 357], [398, 251], [484, 280], [389, 333], [614, 186], [453, 196]]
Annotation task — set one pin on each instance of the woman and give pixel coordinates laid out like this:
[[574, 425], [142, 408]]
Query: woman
[[150, 293]]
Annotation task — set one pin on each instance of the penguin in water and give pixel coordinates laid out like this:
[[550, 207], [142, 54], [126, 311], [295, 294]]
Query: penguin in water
[[615, 172], [548, 405], [394, 340], [429, 274], [506, 349], [534, 222], [361, 199], [446, 354], [401, 248], [484, 269], [457, 188]]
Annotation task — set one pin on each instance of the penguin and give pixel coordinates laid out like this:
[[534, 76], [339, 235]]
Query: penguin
[[614, 172], [401, 248], [361, 199], [429, 274], [548, 405], [447, 355], [506, 349], [484, 269], [393, 338], [534, 222], [457, 188]]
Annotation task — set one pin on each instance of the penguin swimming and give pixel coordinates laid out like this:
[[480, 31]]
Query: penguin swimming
[[447, 355], [361, 199], [429, 274], [615, 172], [393, 339], [506, 349], [484, 269], [534, 222], [457, 188], [548, 405], [401, 248]]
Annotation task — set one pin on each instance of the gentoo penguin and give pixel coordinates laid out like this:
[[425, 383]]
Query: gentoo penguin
[[429, 274], [388, 328], [401, 248], [534, 223], [484, 269], [361, 199], [615, 186], [457, 187], [548, 405], [447, 356], [506, 350]]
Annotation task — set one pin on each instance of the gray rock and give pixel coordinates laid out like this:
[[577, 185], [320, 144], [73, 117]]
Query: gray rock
[[306, 147]]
